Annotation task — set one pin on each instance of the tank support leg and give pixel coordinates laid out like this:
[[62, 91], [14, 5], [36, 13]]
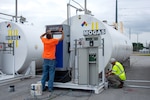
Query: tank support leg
[[1, 73], [31, 69]]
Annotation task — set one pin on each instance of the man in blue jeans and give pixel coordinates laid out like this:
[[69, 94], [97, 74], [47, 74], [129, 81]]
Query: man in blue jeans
[[49, 58]]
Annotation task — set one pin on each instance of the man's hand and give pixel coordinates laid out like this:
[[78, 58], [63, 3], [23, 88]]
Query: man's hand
[[108, 73], [60, 29], [48, 31]]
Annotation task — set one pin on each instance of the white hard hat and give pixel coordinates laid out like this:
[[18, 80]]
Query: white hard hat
[[112, 60]]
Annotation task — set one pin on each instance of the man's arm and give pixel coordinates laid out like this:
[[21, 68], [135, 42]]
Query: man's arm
[[43, 35], [62, 37], [47, 32]]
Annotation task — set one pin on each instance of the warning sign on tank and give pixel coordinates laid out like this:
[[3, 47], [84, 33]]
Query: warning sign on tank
[[12, 37], [94, 32]]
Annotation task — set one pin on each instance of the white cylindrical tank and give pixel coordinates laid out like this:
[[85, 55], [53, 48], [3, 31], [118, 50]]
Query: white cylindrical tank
[[116, 44], [27, 46]]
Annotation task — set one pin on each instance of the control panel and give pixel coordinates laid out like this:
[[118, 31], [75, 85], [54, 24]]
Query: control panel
[[88, 60], [92, 41]]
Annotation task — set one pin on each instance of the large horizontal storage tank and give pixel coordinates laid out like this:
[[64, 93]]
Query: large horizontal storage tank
[[27, 47], [115, 44]]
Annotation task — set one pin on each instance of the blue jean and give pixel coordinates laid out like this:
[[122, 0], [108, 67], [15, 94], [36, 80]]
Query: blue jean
[[48, 73]]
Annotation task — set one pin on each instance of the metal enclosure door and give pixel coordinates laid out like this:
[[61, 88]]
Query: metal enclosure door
[[88, 66], [62, 49], [83, 66]]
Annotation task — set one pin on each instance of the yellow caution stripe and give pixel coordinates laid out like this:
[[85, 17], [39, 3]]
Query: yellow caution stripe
[[16, 34]]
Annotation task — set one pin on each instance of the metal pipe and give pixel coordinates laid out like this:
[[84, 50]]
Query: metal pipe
[[16, 10], [7, 14], [116, 21], [116, 12], [68, 12], [13, 58], [85, 7], [73, 6], [76, 63], [78, 4]]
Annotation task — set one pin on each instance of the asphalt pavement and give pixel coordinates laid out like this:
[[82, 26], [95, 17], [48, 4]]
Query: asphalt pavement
[[136, 87]]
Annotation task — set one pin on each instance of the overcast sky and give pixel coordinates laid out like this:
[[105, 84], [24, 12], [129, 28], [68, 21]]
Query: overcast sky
[[135, 14]]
